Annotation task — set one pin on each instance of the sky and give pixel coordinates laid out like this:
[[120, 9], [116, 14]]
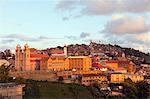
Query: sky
[[50, 23]]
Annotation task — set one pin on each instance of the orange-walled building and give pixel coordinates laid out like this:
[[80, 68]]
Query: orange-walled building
[[113, 64], [30, 59], [117, 77], [121, 66], [80, 62], [25, 60], [58, 63]]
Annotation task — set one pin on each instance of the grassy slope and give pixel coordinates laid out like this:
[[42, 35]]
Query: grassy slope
[[48, 90]]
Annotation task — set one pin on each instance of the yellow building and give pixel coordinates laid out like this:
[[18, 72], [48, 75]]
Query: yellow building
[[120, 70], [134, 77], [89, 79], [117, 77], [58, 63], [113, 64], [131, 67], [80, 62]]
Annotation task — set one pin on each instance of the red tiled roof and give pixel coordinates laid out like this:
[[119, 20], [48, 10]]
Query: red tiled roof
[[89, 75], [112, 61], [120, 68], [59, 53], [97, 65], [39, 55], [131, 63], [34, 60], [123, 62]]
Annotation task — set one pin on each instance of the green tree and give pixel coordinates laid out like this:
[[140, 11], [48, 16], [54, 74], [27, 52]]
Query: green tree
[[75, 89], [95, 92], [20, 80], [7, 53], [60, 79], [4, 73], [32, 89], [130, 89], [143, 89]]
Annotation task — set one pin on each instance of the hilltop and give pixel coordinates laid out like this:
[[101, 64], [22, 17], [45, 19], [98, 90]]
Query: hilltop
[[110, 50]]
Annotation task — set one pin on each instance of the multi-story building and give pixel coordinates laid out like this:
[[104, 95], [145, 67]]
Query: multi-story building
[[126, 66], [134, 77], [25, 60], [117, 77], [80, 62], [58, 63], [112, 64], [89, 79]]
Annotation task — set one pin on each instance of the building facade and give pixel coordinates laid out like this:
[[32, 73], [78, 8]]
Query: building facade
[[89, 79], [29, 59], [134, 77], [117, 77], [11, 91], [80, 62], [58, 63], [113, 64]]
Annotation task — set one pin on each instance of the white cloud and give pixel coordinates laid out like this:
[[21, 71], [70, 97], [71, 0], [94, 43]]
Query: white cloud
[[140, 48], [138, 41], [5, 41], [84, 35], [23, 37], [104, 7], [2, 48], [66, 4], [143, 37], [127, 25]]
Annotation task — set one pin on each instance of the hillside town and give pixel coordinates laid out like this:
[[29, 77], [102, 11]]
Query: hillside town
[[74, 49], [86, 65]]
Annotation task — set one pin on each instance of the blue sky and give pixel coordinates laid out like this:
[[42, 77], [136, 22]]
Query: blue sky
[[48, 23]]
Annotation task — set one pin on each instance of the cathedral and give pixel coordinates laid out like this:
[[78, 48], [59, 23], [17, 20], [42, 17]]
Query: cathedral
[[29, 59]]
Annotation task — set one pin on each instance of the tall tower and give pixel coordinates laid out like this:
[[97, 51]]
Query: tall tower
[[91, 47], [26, 58], [17, 57], [65, 51], [123, 55]]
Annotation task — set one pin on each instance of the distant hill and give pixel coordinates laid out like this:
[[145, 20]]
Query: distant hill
[[83, 49]]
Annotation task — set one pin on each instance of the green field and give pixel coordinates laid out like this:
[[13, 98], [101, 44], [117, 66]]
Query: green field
[[51, 90]]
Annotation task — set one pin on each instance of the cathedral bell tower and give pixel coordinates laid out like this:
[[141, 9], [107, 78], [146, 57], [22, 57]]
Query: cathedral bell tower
[[18, 53], [26, 58]]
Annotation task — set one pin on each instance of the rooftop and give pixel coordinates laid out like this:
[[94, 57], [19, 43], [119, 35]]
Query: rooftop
[[78, 57], [39, 55], [7, 85], [87, 75], [112, 61]]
